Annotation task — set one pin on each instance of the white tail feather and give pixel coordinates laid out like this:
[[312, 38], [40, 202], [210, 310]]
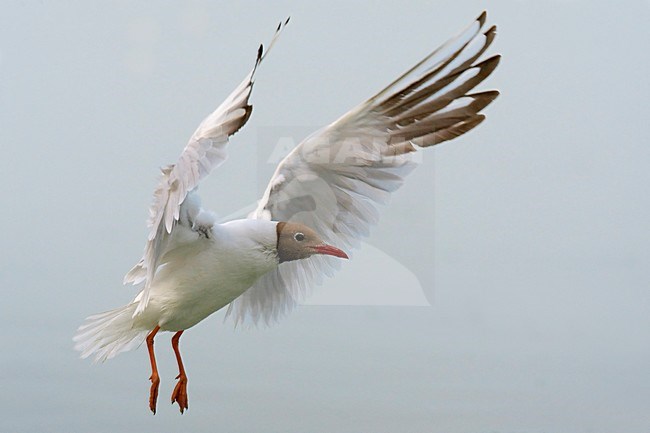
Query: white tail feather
[[104, 335]]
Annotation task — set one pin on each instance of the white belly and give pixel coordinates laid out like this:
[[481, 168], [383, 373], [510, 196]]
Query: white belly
[[191, 287]]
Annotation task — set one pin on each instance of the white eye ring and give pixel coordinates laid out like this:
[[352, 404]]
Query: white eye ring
[[299, 237]]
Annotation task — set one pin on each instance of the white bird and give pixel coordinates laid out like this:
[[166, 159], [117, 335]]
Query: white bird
[[326, 191]]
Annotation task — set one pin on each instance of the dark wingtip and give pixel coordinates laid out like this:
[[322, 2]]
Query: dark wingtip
[[283, 23], [260, 51], [490, 63], [481, 18], [488, 94], [482, 99]]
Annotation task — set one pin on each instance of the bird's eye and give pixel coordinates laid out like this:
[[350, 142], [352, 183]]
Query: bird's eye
[[299, 237]]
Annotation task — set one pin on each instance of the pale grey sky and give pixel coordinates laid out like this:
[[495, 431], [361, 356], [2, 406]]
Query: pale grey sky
[[529, 236]]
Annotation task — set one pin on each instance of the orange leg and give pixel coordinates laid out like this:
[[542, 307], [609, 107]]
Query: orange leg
[[155, 379], [180, 391]]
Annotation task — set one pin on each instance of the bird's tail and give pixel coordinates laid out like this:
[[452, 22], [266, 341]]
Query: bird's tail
[[104, 335]]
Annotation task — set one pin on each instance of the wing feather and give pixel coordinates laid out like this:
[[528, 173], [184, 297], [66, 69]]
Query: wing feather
[[205, 151], [336, 179]]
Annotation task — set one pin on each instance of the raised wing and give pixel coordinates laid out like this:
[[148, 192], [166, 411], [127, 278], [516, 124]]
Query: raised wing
[[205, 150], [334, 180]]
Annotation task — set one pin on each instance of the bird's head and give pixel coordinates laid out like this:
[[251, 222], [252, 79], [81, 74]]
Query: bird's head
[[297, 241]]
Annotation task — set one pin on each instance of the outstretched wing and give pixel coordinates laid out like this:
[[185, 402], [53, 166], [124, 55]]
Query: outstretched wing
[[334, 180], [205, 150]]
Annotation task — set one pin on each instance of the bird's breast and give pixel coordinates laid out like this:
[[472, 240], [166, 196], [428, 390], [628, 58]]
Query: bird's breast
[[190, 288]]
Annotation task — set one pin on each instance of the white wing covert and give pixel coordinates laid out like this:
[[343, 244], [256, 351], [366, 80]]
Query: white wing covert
[[334, 180], [205, 151]]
